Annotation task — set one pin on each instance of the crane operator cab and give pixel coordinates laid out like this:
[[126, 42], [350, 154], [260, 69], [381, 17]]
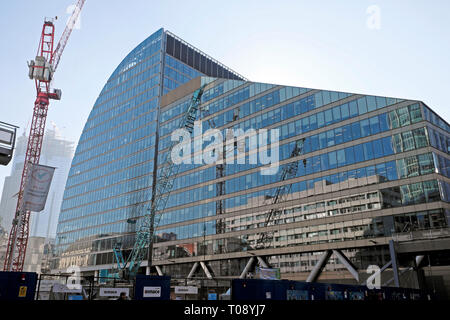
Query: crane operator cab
[[7, 142]]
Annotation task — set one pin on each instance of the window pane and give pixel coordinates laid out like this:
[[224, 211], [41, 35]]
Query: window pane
[[338, 136], [403, 116], [420, 138], [368, 151], [332, 159], [356, 130], [374, 125], [426, 163], [365, 128], [347, 133], [345, 111], [359, 153], [415, 113], [349, 155], [341, 158], [353, 106], [377, 148], [383, 120], [362, 106], [328, 117], [371, 103]]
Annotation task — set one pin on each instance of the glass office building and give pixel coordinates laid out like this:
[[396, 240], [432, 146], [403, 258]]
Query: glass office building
[[368, 168]]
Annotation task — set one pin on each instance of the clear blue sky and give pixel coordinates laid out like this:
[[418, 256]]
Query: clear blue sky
[[318, 44]]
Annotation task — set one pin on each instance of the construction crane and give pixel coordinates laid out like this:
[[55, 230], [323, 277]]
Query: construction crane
[[128, 268], [41, 70], [289, 171]]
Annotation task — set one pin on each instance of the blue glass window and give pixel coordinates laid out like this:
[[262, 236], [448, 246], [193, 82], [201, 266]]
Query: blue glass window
[[359, 152], [374, 125], [332, 161], [347, 133], [368, 152], [353, 106], [328, 117], [377, 148], [365, 128], [349, 155], [356, 130], [362, 106], [371, 103]]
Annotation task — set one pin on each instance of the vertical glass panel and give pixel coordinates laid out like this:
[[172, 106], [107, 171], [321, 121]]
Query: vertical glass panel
[[426, 163], [403, 116], [320, 120], [407, 141], [365, 128], [313, 122], [345, 111], [330, 138], [393, 119], [391, 171], [336, 114], [374, 125], [359, 153], [338, 135], [415, 113], [324, 162], [349, 155], [328, 117], [353, 107], [347, 133], [371, 103], [368, 150], [377, 148], [332, 161], [362, 106], [323, 140], [356, 130], [420, 137], [381, 102], [431, 190], [412, 193], [341, 158], [383, 121]]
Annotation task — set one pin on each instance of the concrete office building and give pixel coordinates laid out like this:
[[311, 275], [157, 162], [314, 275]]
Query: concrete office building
[[370, 169]]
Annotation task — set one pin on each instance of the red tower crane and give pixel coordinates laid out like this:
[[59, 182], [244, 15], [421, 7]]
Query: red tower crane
[[41, 70]]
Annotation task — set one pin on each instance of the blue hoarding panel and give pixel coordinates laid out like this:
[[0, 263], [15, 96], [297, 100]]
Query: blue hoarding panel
[[152, 288]]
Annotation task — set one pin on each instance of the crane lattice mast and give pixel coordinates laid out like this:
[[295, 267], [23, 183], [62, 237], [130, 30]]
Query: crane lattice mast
[[41, 70]]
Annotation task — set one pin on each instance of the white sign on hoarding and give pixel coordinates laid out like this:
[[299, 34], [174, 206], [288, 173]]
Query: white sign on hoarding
[[37, 186], [186, 290], [152, 292], [62, 288], [114, 292]]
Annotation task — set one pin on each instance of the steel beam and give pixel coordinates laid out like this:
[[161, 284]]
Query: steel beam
[[417, 261], [262, 263], [394, 263], [315, 273], [158, 269], [194, 268], [205, 269], [347, 263], [247, 267]]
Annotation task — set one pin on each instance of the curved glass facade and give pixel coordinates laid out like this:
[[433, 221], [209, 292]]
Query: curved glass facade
[[369, 167]]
